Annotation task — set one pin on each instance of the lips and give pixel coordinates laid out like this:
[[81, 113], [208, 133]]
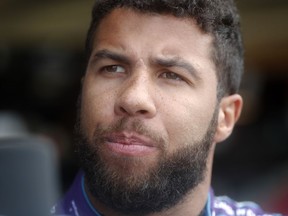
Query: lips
[[130, 144]]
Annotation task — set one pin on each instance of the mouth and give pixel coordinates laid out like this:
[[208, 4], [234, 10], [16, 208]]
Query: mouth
[[130, 144]]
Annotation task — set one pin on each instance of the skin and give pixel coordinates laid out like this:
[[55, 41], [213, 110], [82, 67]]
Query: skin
[[126, 78]]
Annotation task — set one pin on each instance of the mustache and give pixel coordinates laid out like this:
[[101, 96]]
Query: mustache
[[126, 124]]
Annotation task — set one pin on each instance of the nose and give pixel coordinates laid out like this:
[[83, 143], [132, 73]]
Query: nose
[[135, 99]]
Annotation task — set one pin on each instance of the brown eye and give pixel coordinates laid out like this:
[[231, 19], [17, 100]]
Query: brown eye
[[172, 76], [113, 69]]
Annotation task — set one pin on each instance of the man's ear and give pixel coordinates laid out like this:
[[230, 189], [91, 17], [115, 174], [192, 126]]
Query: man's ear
[[229, 112]]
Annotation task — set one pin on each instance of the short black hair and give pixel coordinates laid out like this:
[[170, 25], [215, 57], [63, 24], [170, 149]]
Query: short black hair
[[218, 18]]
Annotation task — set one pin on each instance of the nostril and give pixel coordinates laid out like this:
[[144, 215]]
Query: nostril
[[142, 111], [135, 108], [123, 110]]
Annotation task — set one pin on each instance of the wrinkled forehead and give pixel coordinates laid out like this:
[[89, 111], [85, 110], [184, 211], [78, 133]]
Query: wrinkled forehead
[[104, 8], [132, 27]]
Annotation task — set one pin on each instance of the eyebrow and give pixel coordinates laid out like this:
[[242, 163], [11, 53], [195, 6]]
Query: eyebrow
[[177, 62], [167, 62], [106, 54]]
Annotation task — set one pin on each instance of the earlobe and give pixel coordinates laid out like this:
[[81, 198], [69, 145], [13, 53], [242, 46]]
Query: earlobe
[[229, 112]]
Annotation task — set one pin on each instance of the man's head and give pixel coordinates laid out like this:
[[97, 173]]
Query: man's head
[[219, 18], [154, 102]]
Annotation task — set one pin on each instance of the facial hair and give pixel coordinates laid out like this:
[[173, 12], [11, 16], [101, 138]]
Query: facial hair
[[159, 188]]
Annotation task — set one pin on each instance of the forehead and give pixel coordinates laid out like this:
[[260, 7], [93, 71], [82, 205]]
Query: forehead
[[128, 21]]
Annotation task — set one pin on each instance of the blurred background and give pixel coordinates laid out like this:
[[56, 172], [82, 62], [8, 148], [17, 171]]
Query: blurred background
[[42, 61]]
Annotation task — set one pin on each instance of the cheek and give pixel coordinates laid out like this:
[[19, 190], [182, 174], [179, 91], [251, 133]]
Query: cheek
[[183, 127], [96, 107], [187, 121]]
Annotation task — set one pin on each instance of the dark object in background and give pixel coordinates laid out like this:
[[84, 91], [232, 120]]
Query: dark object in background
[[28, 176]]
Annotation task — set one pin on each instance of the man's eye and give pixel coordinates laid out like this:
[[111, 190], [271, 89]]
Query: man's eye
[[172, 76], [113, 69]]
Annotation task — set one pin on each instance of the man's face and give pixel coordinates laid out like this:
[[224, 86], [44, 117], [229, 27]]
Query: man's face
[[148, 102]]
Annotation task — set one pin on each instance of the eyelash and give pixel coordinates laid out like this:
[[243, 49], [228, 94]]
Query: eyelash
[[168, 75], [176, 76], [108, 67]]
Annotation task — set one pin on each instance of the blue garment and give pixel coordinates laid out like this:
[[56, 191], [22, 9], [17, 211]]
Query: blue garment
[[77, 203]]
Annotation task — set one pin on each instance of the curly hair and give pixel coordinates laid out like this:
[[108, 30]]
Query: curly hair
[[218, 18]]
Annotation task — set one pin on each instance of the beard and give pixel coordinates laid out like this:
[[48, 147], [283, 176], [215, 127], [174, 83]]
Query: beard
[[124, 187]]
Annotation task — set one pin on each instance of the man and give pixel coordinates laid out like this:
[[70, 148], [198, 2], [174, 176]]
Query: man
[[159, 92]]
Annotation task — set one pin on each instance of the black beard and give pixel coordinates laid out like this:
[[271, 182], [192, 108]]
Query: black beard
[[164, 186]]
